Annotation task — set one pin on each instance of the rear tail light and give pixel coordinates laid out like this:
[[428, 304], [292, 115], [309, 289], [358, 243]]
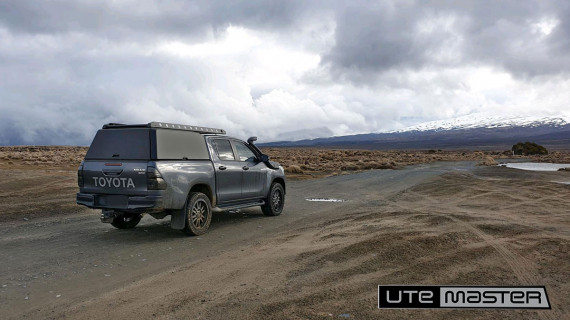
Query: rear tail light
[[80, 182], [154, 179]]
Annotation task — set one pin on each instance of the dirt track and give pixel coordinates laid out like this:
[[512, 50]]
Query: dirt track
[[444, 223]]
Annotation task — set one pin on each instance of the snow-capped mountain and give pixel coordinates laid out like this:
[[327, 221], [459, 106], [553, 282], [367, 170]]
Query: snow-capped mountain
[[479, 120], [475, 131]]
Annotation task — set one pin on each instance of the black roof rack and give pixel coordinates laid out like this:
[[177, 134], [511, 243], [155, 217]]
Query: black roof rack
[[164, 125]]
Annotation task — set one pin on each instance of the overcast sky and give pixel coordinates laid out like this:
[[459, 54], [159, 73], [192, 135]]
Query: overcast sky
[[275, 69]]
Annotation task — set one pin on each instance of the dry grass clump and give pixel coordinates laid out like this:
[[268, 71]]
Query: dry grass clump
[[294, 169], [489, 161], [553, 157]]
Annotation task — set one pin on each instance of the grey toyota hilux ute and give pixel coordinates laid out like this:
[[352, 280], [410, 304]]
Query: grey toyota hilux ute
[[183, 171]]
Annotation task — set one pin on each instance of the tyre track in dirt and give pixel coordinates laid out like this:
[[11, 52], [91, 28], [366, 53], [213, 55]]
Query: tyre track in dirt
[[524, 270]]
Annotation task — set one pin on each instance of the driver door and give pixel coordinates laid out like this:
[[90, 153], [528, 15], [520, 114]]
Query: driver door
[[253, 174]]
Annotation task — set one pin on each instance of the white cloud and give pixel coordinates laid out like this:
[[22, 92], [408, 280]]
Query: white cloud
[[545, 26]]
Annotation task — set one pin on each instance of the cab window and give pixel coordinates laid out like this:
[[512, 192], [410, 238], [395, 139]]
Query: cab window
[[224, 149], [244, 152]]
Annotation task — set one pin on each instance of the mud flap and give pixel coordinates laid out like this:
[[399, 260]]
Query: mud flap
[[178, 219]]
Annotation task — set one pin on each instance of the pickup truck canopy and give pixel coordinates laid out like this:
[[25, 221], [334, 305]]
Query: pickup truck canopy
[[146, 143]]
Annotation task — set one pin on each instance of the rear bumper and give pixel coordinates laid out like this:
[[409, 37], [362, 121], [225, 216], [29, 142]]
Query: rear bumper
[[120, 202]]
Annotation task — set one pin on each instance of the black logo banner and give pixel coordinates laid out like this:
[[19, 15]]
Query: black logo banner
[[500, 297]]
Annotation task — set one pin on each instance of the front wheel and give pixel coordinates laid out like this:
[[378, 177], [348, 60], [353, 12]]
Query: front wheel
[[126, 221], [198, 214], [275, 201]]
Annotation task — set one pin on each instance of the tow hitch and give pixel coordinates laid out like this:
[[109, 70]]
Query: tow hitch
[[107, 216]]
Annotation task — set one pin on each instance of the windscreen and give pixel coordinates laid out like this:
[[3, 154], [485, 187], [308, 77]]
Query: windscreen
[[120, 144], [179, 144]]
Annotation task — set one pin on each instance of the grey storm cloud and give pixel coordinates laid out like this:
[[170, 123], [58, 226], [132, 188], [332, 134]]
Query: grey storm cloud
[[67, 66], [370, 35], [129, 19], [415, 34]]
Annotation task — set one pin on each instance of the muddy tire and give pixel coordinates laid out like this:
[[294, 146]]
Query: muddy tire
[[275, 201], [126, 221], [198, 214]]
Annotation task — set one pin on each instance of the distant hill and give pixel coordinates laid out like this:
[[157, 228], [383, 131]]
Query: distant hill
[[462, 133]]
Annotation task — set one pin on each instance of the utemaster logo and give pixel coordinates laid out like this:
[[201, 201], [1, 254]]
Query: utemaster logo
[[404, 297]]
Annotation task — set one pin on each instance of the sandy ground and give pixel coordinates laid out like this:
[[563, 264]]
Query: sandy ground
[[443, 223]]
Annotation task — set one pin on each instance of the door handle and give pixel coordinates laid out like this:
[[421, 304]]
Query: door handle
[[245, 168], [222, 168]]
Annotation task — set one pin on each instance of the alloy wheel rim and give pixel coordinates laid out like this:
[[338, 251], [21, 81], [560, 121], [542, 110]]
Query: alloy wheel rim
[[276, 200], [198, 213]]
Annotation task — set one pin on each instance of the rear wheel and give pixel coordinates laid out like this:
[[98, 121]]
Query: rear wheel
[[198, 214], [275, 201], [126, 221]]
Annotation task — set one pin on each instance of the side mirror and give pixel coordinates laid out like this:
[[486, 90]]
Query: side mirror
[[264, 158]]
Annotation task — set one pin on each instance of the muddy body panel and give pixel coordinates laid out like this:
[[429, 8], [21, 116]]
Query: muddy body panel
[[181, 177]]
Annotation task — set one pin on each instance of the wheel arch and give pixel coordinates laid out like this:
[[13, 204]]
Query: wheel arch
[[205, 189], [281, 181], [178, 218]]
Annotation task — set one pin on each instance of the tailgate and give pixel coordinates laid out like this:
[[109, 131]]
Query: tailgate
[[126, 177]]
